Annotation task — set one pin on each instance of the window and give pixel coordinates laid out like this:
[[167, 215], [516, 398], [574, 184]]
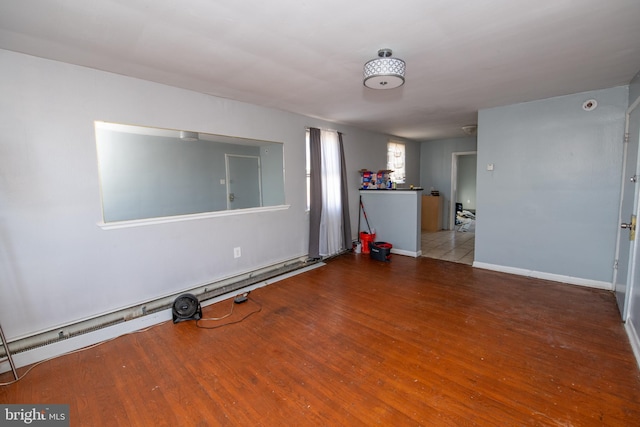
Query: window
[[395, 161]]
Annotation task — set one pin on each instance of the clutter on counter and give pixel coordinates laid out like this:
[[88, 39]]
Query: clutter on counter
[[370, 180], [381, 180]]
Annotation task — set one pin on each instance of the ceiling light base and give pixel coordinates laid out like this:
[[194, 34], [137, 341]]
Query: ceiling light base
[[470, 130], [186, 135]]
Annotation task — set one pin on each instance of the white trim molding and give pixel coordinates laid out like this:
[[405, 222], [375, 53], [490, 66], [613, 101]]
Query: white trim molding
[[546, 276], [406, 253], [166, 219], [633, 339]]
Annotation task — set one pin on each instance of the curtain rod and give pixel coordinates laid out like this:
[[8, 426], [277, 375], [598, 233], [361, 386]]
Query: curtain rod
[[329, 130]]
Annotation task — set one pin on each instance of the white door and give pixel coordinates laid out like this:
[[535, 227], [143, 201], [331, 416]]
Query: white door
[[625, 252], [244, 184]]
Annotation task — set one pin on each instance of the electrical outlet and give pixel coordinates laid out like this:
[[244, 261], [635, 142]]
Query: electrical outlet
[[237, 252]]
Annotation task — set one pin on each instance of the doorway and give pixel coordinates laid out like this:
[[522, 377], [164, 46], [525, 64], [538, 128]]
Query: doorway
[[456, 242], [463, 188]]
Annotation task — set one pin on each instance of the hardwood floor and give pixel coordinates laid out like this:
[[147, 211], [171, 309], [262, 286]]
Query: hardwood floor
[[361, 342]]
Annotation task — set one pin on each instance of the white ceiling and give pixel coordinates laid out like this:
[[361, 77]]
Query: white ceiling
[[306, 56]]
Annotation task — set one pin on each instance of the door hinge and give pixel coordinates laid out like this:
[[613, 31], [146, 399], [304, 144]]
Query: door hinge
[[615, 265]]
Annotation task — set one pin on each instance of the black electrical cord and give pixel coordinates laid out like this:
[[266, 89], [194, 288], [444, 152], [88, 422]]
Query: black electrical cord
[[227, 315]]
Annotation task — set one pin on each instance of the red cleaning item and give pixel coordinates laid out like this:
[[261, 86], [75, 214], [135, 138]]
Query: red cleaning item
[[366, 238]]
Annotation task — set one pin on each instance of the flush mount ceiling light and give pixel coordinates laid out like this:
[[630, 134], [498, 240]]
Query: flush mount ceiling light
[[186, 135], [384, 72], [470, 129]]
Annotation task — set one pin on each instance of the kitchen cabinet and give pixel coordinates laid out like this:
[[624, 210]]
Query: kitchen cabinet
[[431, 211]]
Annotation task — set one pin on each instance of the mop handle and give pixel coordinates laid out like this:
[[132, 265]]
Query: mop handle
[[365, 215]]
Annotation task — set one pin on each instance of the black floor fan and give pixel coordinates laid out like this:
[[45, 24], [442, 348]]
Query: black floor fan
[[186, 307]]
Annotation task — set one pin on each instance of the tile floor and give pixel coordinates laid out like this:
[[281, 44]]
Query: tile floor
[[456, 246]]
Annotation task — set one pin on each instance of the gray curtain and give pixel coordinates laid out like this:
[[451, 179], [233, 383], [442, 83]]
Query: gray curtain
[[315, 193], [344, 197]]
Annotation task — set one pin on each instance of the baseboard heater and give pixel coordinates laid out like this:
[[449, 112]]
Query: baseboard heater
[[203, 292]]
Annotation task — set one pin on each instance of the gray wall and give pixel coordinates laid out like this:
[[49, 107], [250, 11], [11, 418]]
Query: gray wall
[[551, 203], [435, 168], [394, 216], [57, 266]]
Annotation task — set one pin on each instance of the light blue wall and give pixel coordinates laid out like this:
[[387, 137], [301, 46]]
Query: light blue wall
[[435, 168], [551, 203], [394, 216]]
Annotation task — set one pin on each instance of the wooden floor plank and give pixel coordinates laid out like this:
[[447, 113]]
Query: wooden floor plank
[[362, 342]]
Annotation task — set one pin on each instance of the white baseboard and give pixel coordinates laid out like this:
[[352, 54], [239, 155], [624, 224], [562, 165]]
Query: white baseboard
[[406, 253], [138, 324], [75, 343], [634, 340], [546, 276]]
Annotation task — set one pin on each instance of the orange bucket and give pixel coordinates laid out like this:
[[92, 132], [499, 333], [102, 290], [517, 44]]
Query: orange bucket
[[366, 238]]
